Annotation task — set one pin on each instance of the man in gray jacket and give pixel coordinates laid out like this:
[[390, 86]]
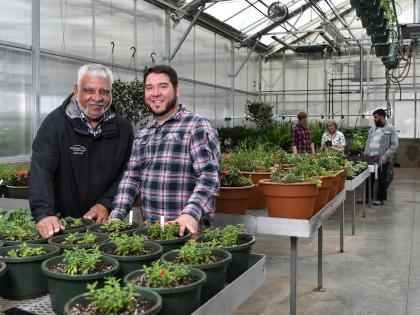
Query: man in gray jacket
[[383, 143]]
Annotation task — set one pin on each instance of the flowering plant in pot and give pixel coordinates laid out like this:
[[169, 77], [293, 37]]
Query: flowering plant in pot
[[235, 189], [112, 227], [166, 235], [235, 240], [131, 251], [68, 274], [178, 285], [213, 261], [17, 182], [128, 300], [23, 278], [291, 194]]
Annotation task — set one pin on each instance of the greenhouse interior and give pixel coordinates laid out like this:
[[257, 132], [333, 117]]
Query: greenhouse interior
[[206, 157]]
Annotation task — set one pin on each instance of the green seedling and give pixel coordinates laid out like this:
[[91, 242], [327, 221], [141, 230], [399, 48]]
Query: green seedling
[[81, 261], [226, 237], [126, 245], [168, 232], [71, 223], [194, 253], [164, 275], [25, 251]]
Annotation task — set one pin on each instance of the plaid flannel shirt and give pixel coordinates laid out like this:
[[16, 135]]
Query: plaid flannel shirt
[[175, 168], [301, 138]]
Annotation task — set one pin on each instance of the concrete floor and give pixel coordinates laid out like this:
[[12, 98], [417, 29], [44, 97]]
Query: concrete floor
[[378, 273]]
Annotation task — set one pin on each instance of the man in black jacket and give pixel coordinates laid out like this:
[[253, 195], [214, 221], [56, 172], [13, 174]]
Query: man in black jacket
[[79, 154]]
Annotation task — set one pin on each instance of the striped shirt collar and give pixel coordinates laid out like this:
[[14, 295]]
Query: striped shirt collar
[[154, 123]]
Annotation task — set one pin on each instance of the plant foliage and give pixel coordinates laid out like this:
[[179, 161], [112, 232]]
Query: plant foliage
[[224, 237], [164, 274], [26, 251]]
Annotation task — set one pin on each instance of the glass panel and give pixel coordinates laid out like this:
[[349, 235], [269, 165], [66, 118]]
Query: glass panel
[[15, 21], [66, 26], [15, 102], [223, 107], [205, 102], [223, 64], [404, 118], [183, 62], [241, 80], [204, 55], [150, 34], [114, 23], [186, 96]]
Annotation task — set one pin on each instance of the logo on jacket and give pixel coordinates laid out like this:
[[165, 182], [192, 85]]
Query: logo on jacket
[[78, 149]]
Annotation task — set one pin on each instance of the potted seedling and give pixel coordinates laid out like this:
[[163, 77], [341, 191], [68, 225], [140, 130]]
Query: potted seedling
[[113, 299], [17, 226], [23, 278], [235, 189], [72, 225], [69, 274], [112, 227], [178, 285], [131, 251], [213, 261], [17, 182], [234, 239], [166, 235], [80, 240]]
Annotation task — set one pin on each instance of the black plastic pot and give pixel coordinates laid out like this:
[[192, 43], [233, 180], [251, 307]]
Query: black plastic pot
[[215, 272], [2, 268], [62, 287], [97, 228], [101, 238], [131, 263], [2, 189], [17, 192], [240, 256], [381, 39], [23, 278], [387, 50], [86, 223], [12, 243], [167, 245], [145, 293], [181, 300]]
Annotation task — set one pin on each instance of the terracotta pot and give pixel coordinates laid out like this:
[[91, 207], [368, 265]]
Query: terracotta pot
[[334, 187], [341, 180], [292, 201], [323, 193], [233, 200], [256, 198]]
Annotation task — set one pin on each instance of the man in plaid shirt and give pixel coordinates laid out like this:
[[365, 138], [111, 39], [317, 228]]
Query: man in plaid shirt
[[301, 136], [174, 163]]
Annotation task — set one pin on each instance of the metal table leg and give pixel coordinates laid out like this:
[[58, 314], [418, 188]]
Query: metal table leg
[[353, 216], [293, 274], [342, 229], [364, 199], [319, 288], [369, 190]]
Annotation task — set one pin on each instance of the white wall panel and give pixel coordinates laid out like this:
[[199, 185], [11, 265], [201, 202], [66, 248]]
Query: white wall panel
[[204, 55], [15, 21]]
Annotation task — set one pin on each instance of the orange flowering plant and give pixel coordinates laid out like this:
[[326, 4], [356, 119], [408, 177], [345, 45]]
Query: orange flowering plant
[[17, 176], [231, 176], [163, 274]]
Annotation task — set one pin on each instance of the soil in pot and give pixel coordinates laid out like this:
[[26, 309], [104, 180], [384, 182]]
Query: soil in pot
[[168, 237], [80, 240], [69, 274], [23, 278], [130, 260], [215, 270], [182, 297]]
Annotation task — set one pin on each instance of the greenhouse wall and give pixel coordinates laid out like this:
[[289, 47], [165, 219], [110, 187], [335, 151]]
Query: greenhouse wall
[[76, 32]]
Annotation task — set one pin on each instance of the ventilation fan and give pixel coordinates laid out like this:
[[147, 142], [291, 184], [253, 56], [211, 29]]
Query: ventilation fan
[[277, 11]]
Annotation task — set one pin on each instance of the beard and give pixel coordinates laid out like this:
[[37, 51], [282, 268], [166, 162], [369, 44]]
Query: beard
[[169, 106], [379, 123], [85, 111]]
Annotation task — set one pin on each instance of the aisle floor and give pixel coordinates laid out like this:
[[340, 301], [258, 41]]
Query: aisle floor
[[378, 273]]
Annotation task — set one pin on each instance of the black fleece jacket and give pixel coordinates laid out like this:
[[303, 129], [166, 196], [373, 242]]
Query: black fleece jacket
[[72, 170]]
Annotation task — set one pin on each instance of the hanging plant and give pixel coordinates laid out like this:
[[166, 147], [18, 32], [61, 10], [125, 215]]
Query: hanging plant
[[128, 98], [260, 113]]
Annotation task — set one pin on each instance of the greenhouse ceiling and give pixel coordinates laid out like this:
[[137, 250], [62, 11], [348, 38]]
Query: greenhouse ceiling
[[273, 26]]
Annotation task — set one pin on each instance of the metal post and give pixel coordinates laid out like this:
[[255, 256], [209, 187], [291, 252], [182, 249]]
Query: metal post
[[364, 197], [370, 190], [36, 68], [232, 81], [293, 274], [94, 28], [319, 288], [167, 36], [342, 229], [353, 217]]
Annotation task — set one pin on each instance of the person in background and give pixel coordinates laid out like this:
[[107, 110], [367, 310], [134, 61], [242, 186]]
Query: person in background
[[382, 142], [174, 163], [79, 154], [332, 139], [301, 135]]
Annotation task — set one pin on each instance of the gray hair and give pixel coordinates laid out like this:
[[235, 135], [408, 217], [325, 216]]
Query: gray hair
[[330, 121], [95, 70]]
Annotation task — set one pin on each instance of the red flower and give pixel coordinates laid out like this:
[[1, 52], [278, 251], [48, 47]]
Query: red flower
[[163, 273]]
